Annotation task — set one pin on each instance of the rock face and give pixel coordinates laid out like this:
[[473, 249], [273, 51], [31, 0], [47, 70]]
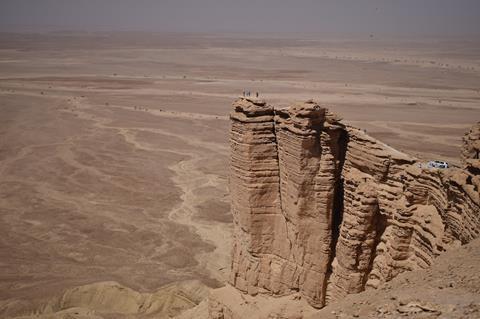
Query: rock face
[[322, 210], [396, 216], [471, 150], [284, 174]]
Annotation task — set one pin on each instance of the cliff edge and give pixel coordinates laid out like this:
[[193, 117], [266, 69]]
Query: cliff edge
[[322, 210]]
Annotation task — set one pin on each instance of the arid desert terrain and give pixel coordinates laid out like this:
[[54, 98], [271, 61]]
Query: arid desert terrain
[[114, 149]]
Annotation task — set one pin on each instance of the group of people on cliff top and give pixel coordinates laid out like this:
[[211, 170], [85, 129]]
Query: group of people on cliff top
[[248, 93]]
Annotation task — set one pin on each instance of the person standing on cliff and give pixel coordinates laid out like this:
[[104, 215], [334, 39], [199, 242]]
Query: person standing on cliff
[[256, 94]]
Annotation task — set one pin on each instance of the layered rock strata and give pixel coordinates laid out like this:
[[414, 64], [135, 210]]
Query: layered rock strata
[[284, 174], [471, 149], [322, 210], [397, 215]]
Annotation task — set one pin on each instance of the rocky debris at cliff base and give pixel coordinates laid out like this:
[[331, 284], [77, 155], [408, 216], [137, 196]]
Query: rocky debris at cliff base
[[229, 303], [450, 288]]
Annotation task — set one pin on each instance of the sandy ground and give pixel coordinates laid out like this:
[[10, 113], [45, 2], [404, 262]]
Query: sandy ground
[[114, 147]]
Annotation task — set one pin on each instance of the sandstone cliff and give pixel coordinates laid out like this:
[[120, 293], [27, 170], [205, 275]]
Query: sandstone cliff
[[471, 150], [322, 210], [285, 168]]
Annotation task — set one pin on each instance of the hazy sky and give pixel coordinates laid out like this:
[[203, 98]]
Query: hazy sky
[[411, 17]]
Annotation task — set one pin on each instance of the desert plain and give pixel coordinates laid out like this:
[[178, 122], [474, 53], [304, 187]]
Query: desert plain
[[114, 148]]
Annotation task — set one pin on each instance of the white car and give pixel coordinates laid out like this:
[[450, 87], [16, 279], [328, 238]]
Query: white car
[[437, 164]]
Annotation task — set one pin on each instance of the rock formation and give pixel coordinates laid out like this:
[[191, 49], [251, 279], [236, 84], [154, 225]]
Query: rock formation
[[471, 150], [109, 299], [397, 215], [285, 168], [322, 210]]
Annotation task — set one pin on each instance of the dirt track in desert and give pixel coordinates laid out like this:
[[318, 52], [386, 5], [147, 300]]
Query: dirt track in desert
[[114, 147]]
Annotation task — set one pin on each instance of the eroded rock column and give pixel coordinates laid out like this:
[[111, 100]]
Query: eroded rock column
[[254, 187], [309, 170], [285, 171]]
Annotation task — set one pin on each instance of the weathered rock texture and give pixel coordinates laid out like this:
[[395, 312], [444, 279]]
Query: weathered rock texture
[[471, 150], [322, 210]]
